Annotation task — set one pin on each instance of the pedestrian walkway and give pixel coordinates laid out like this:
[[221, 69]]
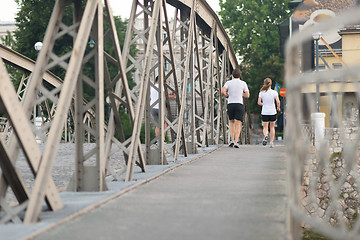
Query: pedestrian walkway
[[228, 194]]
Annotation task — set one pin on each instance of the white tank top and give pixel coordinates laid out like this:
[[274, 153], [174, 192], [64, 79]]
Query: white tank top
[[268, 99]]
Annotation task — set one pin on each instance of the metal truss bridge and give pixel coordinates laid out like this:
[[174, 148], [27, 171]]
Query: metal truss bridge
[[189, 51]]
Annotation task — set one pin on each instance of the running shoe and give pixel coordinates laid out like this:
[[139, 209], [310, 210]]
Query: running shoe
[[271, 145], [236, 145], [265, 140], [231, 143]]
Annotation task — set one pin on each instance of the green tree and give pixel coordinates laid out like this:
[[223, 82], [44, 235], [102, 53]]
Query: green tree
[[31, 20], [253, 30]]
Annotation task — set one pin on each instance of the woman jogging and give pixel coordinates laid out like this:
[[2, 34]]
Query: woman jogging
[[267, 99], [234, 90]]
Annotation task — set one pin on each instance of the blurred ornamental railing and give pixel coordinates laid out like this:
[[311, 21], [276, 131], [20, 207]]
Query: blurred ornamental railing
[[324, 171]]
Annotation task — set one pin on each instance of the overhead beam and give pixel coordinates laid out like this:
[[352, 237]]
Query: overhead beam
[[206, 13]]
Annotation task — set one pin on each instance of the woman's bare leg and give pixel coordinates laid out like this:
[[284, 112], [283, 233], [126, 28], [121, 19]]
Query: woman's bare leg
[[272, 131], [265, 128]]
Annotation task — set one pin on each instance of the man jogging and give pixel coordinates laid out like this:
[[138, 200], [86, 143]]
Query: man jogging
[[234, 90]]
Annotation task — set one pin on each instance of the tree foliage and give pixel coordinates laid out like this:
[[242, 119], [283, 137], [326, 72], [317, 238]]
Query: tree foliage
[[253, 30], [31, 21]]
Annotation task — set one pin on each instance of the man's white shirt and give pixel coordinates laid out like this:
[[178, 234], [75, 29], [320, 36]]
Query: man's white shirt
[[236, 88]]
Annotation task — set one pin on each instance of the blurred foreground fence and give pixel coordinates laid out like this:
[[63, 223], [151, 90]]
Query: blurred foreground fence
[[324, 174]]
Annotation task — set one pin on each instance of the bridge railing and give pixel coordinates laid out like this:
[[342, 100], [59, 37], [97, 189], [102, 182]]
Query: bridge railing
[[324, 177]]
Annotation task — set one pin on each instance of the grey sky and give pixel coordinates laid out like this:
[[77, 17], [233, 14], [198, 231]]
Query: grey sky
[[120, 7]]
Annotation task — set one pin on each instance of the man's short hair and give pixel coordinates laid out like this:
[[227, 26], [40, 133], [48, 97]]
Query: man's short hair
[[236, 73]]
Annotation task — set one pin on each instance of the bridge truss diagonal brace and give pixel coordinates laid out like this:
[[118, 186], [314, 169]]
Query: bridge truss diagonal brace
[[30, 94], [170, 81], [187, 66], [26, 140], [171, 40], [91, 178], [143, 90], [74, 67], [200, 118], [115, 95], [161, 76]]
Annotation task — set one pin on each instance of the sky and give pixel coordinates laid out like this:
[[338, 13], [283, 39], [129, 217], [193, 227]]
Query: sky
[[119, 7]]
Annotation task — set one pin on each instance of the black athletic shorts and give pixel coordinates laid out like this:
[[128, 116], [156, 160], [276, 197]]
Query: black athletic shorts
[[268, 118], [155, 114], [235, 111]]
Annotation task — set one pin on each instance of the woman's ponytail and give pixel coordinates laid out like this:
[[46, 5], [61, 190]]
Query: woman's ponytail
[[267, 85]]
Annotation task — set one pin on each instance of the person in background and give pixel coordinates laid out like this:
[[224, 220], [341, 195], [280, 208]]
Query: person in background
[[154, 96], [234, 90], [267, 99]]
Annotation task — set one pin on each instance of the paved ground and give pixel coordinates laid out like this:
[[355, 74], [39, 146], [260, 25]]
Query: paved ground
[[229, 194]]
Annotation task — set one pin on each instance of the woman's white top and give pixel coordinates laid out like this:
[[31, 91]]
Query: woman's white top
[[236, 88], [154, 96], [268, 99]]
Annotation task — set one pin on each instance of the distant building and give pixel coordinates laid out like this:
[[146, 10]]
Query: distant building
[[5, 28], [338, 48]]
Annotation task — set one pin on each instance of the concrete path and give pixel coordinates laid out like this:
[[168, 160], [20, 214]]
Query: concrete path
[[229, 194]]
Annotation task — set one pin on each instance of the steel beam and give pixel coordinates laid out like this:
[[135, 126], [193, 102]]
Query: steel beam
[[25, 139], [37, 196], [143, 90]]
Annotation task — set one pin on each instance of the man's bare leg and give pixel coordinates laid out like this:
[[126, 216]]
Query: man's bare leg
[[232, 131], [238, 124]]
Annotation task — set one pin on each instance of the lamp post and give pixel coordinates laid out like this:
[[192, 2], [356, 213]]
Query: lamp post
[[38, 46], [37, 116], [317, 36], [318, 118]]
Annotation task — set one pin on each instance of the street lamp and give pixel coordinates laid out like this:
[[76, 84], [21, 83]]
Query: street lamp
[[91, 43], [317, 36], [38, 46]]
